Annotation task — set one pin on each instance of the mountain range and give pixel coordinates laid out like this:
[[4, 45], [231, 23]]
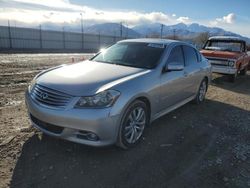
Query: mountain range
[[180, 30], [113, 29]]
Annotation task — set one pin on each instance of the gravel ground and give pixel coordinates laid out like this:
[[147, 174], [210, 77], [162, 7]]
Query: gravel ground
[[194, 146]]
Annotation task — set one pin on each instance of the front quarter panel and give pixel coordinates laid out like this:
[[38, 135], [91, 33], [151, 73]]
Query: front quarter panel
[[147, 86]]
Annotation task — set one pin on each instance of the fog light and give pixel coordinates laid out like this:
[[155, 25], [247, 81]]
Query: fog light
[[86, 135], [92, 136]]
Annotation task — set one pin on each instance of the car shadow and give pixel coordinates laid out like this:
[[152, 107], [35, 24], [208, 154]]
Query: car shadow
[[241, 84], [173, 153]]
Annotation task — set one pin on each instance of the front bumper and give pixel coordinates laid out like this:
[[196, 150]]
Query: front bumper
[[223, 69], [73, 122]]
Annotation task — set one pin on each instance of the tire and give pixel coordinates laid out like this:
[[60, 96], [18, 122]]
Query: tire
[[200, 97], [133, 123], [232, 77], [243, 71]]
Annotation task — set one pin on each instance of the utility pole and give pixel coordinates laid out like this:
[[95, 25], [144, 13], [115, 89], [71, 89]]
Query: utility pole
[[82, 32], [99, 39], [10, 39], [162, 30], [114, 36], [147, 33], [126, 30], [174, 34], [121, 29], [63, 38], [40, 32]]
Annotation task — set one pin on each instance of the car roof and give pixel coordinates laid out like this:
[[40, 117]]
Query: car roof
[[226, 38], [166, 42], [151, 40]]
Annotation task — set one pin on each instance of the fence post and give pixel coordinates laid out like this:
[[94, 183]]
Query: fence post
[[114, 37], [82, 32], [10, 38], [63, 38], [82, 40], [40, 31], [99, 38]]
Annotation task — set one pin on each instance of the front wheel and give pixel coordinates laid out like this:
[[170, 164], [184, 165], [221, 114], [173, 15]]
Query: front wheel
[[232, 77], [243, 71], [133, 123], [200, 97]]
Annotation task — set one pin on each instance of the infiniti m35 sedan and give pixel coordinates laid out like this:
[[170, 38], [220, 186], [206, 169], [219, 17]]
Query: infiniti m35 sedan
[[111, 98]]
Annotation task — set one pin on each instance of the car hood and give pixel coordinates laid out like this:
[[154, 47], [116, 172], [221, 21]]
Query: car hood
[[220, 54], [87, 78]]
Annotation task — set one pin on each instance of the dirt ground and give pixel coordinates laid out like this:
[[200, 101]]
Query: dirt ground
[[205, 145]]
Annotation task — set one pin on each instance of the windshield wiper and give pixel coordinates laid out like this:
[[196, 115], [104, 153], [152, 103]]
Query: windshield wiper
[[109, 62], [121, 64]]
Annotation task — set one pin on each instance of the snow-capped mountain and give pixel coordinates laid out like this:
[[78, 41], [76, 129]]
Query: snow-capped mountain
[[179, 29], [112, 29], [183, 30]]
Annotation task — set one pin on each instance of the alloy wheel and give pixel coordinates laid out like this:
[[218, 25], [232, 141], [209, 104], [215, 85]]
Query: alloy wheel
[[135, 124], [202, 91]]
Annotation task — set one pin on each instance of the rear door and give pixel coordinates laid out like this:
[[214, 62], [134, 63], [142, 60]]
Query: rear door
[[193, 69]]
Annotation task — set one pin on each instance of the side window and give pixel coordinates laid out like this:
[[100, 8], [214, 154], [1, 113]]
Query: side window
[[198, 55], [190, 55], [176, 56]]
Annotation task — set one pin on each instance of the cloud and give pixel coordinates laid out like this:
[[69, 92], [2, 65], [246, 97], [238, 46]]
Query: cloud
[[63, 11], [173, 15], [228, 19], [183, 19], [56, 4]]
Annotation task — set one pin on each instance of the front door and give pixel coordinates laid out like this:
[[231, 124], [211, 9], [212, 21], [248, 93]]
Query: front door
[[173, 83]]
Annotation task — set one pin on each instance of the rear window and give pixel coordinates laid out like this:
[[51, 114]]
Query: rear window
[[221, 45]]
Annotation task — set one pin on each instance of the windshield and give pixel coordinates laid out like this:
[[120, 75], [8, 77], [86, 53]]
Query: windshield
[[232, 46], [133, 54]]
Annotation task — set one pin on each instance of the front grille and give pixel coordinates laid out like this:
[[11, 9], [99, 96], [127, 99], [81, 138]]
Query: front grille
[[220, 62], [49, 97], [46, 126]]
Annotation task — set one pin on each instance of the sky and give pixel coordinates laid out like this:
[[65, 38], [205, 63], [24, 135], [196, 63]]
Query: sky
[[231, 15]]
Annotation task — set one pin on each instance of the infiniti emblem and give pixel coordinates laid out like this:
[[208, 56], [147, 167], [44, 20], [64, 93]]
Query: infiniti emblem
[[44, 95]]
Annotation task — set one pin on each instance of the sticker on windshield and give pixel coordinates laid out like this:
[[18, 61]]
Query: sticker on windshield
[[154, 45]]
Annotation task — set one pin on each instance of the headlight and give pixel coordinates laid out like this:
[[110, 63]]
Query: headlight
[[231, 63], [32, 84], [100, 100]]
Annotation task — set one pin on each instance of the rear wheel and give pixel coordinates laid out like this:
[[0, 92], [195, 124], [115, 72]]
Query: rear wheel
[[133, 124], [200, 97]]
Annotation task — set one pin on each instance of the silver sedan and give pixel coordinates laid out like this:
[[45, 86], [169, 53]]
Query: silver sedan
[[111, 98]]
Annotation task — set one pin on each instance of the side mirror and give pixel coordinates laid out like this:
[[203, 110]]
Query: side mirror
[[174, 66]]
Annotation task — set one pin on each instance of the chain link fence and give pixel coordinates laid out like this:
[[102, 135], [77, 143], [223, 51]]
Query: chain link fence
[[38, 40]]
